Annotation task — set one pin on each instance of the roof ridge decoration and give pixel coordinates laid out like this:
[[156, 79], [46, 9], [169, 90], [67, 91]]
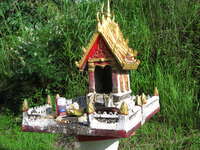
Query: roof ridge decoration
[[109, 30]]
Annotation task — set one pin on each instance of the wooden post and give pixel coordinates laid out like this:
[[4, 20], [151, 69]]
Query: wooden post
[[114, 82], [128, 78], [91, 77], [122, 83], [91, 81]]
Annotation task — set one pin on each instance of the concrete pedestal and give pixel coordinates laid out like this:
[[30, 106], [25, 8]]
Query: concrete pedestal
[[110, 144]]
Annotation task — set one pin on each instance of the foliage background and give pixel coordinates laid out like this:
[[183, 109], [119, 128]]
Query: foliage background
[[41, 39]]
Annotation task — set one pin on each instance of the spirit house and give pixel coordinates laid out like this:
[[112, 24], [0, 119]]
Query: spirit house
[[108, 109], [108, 58]]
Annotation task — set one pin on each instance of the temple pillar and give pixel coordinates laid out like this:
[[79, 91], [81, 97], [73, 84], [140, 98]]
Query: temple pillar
[[124, 82], [128, 82], [91, 77], [114, 81], [121, 83]]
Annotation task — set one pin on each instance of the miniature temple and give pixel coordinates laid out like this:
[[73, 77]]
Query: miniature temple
[[108, 109]]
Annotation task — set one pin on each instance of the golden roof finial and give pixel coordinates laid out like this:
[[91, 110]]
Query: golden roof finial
[[113, 17], [108, 9], [102, 7], [100, 13]]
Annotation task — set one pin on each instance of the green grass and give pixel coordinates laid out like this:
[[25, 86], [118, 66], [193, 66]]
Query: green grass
[[12, 138], [41, 40], [154, 135]]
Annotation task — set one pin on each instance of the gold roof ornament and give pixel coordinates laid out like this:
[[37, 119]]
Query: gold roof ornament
[[156, 92], [49, 100], [144, 98], [109, 30], [108, 9], [124, 109], [25, 105]]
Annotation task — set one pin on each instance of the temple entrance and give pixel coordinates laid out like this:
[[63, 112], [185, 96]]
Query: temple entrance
[[103, 79]]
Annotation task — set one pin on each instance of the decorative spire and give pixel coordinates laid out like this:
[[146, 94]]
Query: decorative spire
[[102, 7], [144, 98], [84, 50], [49, 100], [104, 14], [156, 92], [138, 100], [25, 105], [108, 9]]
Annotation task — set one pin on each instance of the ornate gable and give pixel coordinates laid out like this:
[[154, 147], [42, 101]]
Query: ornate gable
[[109, 36], [101, 50]]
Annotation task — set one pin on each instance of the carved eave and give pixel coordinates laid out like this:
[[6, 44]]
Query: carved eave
[[82, 63]]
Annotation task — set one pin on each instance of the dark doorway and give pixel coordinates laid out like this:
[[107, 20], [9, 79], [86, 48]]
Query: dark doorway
[[103, 79]]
